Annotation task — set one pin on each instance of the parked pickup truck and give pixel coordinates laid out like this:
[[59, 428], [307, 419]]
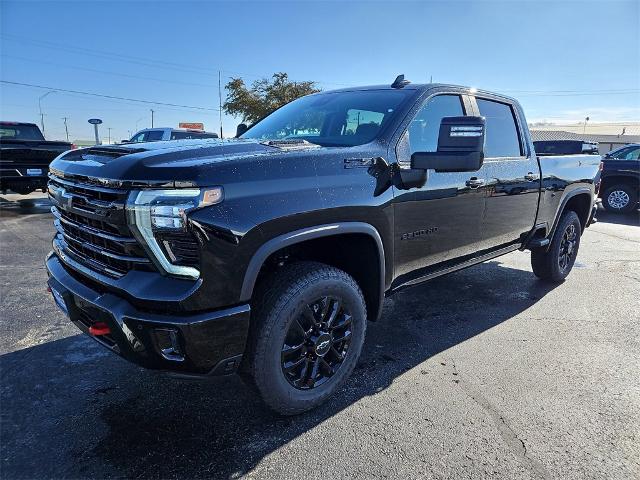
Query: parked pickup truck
[[621, 179], [267, 254], [168, 133], [25, 156]]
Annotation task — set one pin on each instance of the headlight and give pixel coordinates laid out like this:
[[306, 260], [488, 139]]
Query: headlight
[[153, 211]]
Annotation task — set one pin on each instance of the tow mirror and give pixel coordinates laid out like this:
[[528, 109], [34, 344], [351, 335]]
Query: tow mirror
[[460, 147], [241, 129]]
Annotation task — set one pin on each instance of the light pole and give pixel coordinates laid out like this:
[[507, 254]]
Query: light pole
[[152, 117], [66, 129], [584, 129], [109, 135], [40, 109], [138, 121]]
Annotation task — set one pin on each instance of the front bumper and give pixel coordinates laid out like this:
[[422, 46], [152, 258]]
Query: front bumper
[[209, 343]]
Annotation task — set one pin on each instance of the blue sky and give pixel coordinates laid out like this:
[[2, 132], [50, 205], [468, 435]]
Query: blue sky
[[563, 60]]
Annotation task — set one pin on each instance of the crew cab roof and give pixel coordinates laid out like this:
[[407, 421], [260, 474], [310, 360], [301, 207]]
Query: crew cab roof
[[423, 87]]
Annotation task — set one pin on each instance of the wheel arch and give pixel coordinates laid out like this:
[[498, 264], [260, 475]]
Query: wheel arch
[[373, 288], [618, 178], [580, 201]]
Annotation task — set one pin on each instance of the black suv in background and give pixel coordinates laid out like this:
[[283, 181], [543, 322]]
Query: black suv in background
[[266, 255], [621, 179]]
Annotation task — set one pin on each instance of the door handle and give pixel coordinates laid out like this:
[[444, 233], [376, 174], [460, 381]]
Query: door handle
[[474, 182], [531, 176]]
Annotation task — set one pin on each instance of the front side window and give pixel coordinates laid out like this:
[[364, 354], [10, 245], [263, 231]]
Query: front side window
[[140, 137], [629, 153], [332, 119], [501, 137], [424, 129]]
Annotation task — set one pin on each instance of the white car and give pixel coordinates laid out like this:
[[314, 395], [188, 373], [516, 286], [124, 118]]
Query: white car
[[168, 133]]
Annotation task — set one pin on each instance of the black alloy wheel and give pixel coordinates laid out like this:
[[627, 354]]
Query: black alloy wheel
[[568, 248], [309, 321], [316, 343]]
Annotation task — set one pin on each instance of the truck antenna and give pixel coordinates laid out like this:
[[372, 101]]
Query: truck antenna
[[400, 82]]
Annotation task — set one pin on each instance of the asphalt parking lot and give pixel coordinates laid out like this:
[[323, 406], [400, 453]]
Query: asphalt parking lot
[[484, 373]]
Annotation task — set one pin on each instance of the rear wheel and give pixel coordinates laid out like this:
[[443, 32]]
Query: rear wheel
[[621, 198], [308, 332], [555, 263]]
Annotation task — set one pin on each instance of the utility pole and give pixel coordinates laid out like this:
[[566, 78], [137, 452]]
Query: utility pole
[[66, 129], [220, 98], [584, 129], [40, 109], [109, 135], [152, 118]]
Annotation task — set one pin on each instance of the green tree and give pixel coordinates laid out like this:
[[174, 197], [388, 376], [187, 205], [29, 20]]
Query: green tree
[[264, 96]]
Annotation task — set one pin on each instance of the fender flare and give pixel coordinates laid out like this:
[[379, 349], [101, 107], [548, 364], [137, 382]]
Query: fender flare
[[311, 233], [563, 204]]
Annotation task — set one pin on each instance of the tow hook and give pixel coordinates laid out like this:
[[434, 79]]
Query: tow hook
[[99, 328]]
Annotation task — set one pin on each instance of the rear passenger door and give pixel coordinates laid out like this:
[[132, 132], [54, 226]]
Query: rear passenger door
[[513, 175]]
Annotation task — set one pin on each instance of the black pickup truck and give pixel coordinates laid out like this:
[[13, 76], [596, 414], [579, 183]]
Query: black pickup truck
[[621, 179], [25, 157], [267, 254]]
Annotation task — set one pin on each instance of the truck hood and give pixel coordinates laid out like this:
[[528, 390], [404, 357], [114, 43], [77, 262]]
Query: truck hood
[[173, 163]]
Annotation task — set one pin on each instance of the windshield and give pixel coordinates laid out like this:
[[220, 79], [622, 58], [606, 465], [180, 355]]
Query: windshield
[[20, 132], [332, 119]]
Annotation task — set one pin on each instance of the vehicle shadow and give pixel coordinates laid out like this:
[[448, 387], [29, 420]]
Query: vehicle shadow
[[87, 413], [631, 219], [12, 205]]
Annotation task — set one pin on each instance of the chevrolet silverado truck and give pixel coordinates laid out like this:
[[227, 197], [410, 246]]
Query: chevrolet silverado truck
[[25, 157], [267, 254]]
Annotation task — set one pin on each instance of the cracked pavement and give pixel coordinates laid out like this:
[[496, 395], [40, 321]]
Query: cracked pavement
[[484, 373]]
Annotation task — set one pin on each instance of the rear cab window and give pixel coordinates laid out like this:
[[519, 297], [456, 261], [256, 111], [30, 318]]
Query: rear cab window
[[20, 132], [502, 138]]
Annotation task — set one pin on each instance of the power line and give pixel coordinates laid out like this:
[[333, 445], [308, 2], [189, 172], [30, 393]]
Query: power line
[[113, 97], [119, 74]]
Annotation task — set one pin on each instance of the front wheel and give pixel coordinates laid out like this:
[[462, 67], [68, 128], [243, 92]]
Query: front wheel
[[555, 263], [307, 335], [620, 198]]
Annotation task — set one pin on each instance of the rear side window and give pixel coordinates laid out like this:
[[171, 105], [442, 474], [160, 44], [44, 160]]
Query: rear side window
[[501, 138], [187, 135], [154, 135], [425, 126]]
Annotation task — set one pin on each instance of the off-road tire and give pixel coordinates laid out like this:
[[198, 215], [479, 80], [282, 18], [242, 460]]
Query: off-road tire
[[546, 264], [279, 301]]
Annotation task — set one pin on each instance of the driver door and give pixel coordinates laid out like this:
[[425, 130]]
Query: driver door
[[440, 221]]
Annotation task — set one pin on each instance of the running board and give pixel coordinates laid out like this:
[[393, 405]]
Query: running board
[[538, 243], [460, 266]]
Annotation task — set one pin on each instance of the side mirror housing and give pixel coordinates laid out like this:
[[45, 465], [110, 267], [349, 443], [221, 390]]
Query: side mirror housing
[[125, 141], [460, 147], [241, 129]]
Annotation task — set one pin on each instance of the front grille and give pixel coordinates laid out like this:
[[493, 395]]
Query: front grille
[[92, 227]]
